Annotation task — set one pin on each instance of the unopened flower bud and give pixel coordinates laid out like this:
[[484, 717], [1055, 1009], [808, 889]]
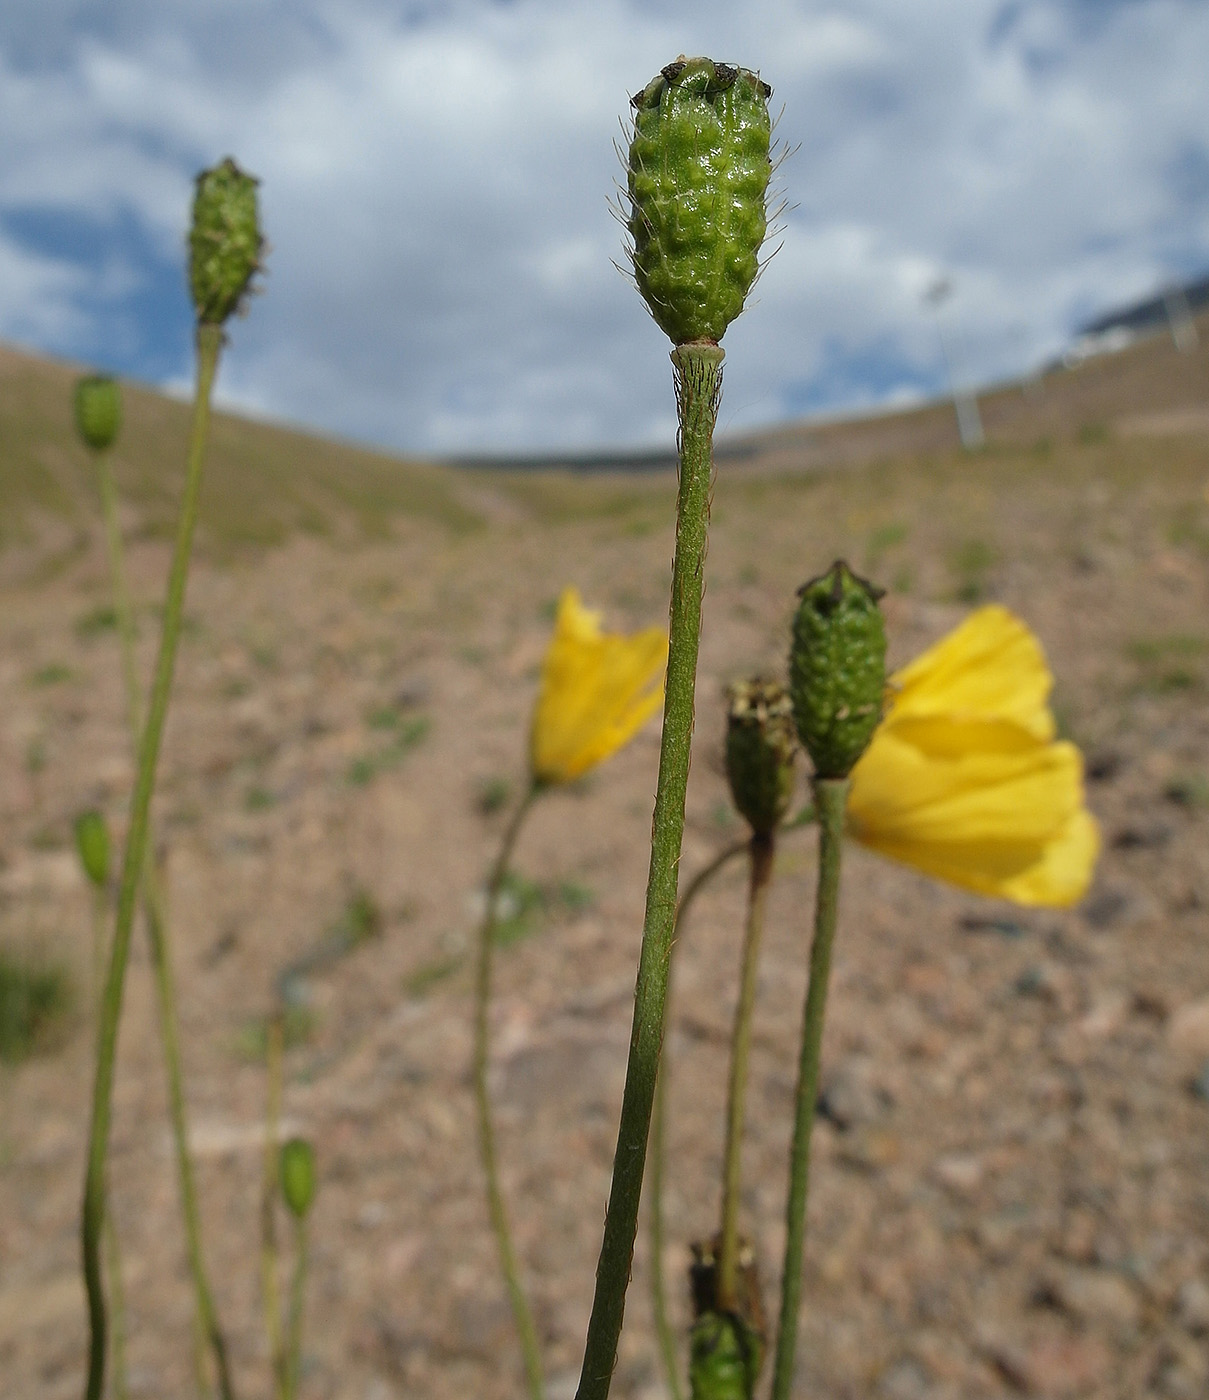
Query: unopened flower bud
[[761, 746], [698, 175], [92, 844], [726, 1346], [225, 241], [98, 407], [298, 1175], [837, 669]]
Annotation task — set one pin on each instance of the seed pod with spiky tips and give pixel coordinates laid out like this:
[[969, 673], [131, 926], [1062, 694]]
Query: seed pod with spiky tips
[[92, 845], [98, 408], [837, 669], [761, 745], [698, 183], [298, 1175], [225, 241]]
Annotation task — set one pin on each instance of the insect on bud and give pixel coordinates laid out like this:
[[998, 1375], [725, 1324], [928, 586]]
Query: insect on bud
[[837, 669], [761, 746], [98, 410], [298, 1176], [225, 241], [698, 176]]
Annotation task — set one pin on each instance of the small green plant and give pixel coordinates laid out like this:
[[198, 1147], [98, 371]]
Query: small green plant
[[298, 1021], [969, 563], [493, 796], [406, 733], [1190, 528], [258, 799], [35, 1003], [430, 974], [1188, 790], [54, 673], [1168, 664], [520, 905], [96, 621], [881, 540]]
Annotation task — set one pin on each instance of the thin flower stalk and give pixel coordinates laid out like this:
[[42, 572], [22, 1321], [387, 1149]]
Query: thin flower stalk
[[830, 800], [209, 343], [497, 1210], [293, 1364], [762, 857], [207, 1327], [111, 1244], [658, 1149], [270, 1188], [699, 380]]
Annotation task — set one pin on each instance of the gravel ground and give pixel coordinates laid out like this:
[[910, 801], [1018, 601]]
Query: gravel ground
[[1011, 1193]]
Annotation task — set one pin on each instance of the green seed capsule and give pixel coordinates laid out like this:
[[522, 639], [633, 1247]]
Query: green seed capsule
[[698, 182], [92, 844], [225, 242], [98, 407], [761, 746], [298, 1175], [837, 669]]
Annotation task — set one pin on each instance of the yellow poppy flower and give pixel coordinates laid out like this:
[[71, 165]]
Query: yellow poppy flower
[[964, 780], [598, 689]]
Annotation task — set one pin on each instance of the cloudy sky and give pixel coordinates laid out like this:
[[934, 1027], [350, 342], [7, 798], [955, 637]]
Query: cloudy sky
[[436, 176]]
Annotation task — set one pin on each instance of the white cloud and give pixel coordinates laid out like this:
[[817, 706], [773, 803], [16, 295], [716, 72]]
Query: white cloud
[[435, 186]]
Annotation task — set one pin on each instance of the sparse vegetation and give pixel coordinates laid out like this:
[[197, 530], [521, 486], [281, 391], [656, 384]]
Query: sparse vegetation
[[35, 1001]]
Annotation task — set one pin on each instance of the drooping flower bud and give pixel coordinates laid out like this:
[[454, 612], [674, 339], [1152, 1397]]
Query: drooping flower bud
[[837, 669], [727, 1344], [225, 241], [298, 1175], [698, 182], [92, 844], [98, 410], [761, 746]]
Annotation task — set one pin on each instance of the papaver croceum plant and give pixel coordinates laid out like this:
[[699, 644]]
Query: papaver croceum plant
[[964, 779], [597, 690]]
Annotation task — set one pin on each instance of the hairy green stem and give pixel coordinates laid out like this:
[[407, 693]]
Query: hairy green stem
[[209, 344], [293, 1366], [270, 1186], [658, 1148], [110, 1243], [698, 369], [763, 852], [161, 954], [482, 1097], [831, 795]]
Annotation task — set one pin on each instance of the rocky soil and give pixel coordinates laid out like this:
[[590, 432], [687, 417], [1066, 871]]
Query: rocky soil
[[1011, 1190]]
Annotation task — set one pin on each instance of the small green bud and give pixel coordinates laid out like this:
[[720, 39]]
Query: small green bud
[[98, 405], [225, 241], [298, 1175], [92, 843], [727, 1344], [719, 1366], [698, 175], [837, 669], [761, 745]]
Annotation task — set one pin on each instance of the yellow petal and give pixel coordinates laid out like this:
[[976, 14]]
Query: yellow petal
[[597, 691], [979, 803], [990, 666]]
